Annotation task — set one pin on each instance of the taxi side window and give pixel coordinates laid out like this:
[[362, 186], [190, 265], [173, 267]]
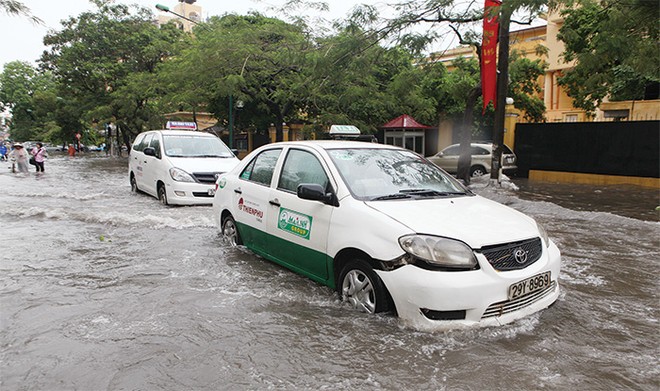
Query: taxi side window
[[138, 142], [155, 144], [301, 167], [145, 142], [261, 168]]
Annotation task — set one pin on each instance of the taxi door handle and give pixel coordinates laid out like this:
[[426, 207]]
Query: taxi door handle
[[238, 191], [274, 202]]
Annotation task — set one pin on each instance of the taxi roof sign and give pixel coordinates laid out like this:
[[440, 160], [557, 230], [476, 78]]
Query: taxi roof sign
[[344, 130], [180, 125]]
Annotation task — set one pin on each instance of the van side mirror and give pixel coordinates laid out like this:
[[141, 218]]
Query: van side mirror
[[149, 151], [316, 192]]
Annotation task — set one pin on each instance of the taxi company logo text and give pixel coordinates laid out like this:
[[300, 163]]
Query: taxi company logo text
[[259, 214], [296, 223]]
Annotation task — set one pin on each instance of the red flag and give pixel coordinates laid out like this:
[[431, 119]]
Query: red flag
[[489, 52]]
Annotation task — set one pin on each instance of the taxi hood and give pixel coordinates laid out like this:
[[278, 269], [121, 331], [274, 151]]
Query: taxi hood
[[204, 164], [474, 220]]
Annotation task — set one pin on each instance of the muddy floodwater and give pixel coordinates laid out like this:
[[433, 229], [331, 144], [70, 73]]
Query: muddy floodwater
[[101, 289]]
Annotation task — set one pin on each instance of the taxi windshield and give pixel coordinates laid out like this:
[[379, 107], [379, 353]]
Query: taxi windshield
[[195, 146], [388, 174]]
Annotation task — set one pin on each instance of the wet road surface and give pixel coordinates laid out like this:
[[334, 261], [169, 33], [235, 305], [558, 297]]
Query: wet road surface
[[101, 289]]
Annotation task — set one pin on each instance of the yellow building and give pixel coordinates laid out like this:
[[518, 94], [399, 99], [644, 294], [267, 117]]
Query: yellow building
[[185, 8]]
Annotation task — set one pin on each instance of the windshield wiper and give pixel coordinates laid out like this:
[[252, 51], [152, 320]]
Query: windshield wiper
[[395, 196], [431, 192]]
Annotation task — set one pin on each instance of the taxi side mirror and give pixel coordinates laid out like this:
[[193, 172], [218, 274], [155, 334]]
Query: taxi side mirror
[[149, 151], [316, 192]]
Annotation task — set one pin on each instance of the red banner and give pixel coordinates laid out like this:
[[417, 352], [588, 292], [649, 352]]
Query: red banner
[[489, 52]]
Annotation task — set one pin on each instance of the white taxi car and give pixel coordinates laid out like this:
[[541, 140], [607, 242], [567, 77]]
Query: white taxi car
[[179, 167], [390, 231]]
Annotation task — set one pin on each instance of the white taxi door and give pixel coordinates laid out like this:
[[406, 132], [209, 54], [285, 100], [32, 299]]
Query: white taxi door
[[250, 198], [156, 168], [146, 181], [299, 228]]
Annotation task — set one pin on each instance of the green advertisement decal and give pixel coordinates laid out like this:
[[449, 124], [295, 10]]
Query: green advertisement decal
[[296, 223]]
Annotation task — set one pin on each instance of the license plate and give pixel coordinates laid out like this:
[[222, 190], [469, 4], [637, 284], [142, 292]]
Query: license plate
[[532, 284], [211, 192]]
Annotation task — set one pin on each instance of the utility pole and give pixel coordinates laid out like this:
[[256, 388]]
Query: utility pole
[[502, 90]]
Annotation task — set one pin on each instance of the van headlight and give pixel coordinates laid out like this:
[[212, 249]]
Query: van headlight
[[544, 235], [439, 251], [180, 176]]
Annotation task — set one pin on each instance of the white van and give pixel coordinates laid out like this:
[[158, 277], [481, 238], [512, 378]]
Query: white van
[[179, 167]]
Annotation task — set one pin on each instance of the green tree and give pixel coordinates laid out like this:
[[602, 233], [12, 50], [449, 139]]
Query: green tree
[[105, 62], [22, 91], [615, 48], [254, 58], [358, 82]]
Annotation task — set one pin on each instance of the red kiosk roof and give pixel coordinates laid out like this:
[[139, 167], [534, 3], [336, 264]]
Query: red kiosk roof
[[404, 122]]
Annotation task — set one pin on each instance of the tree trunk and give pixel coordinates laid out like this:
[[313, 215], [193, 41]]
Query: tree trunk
[[465, 158], [502, 90]]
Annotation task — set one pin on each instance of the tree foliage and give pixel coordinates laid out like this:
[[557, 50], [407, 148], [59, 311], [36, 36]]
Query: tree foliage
[[614, 45], [25, 92], [115, 65], [102, 60], [357, 82]]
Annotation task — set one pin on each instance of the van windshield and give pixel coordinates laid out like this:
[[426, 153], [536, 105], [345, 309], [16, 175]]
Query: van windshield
[[195, 146]]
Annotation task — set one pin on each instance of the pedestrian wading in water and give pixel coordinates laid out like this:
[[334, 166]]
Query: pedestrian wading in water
[[40, 155]]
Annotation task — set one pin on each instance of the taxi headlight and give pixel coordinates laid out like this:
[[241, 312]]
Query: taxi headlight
[[544, 235], [439, 251], [180, 176]]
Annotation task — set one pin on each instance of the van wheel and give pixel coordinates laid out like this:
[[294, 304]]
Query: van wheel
[[476, 171], [134, 187], [362, 288], [230, 232], [162, 194]]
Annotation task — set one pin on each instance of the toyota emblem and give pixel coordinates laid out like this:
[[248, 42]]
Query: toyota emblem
[[520, 255]]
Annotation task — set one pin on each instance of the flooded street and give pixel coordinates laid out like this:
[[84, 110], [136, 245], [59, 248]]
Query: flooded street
[[102, 289]]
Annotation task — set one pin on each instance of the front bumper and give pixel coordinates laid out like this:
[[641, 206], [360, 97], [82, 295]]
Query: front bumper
[[469, 298], [189, 193]]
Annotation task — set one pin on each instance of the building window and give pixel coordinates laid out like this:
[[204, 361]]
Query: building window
[[413, 141], [571, 118]]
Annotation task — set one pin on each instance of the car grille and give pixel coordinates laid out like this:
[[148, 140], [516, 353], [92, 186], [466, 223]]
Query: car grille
[[206, 177], [203, 195], [513, 256], [504, 307]]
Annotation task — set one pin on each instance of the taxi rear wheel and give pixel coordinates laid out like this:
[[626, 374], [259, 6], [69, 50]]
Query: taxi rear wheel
[[162, 194], [230, 232], [362, 288]]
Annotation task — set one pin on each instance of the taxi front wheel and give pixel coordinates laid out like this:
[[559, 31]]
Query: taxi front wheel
[[162, 194], [361, 287], [230, 232], [134, 186]]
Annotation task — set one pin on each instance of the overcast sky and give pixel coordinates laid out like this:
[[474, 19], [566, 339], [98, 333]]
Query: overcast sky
[[22, 40]]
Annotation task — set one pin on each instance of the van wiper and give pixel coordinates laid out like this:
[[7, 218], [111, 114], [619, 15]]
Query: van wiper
[[395, 196]]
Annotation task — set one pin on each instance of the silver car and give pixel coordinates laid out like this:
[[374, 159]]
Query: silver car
[[482, 154]]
